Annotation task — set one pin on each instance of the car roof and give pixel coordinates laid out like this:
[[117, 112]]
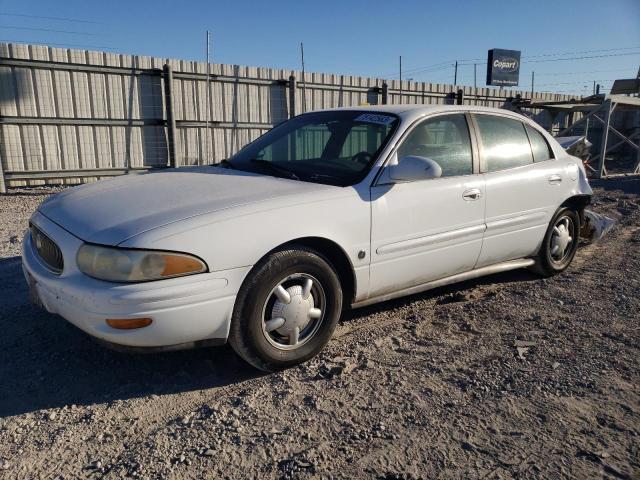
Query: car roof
[[413, 111]]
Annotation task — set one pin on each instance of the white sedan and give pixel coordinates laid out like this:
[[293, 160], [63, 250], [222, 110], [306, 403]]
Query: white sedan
[[334, 208]]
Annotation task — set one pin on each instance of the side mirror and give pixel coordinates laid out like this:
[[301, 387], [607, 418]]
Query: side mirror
[[412, 168]]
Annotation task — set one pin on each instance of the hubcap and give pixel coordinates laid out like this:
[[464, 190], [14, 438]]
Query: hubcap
[[561, 239], [293, 311]]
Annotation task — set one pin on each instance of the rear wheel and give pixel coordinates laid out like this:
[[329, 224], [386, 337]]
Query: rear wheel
[[560, 243], [286, 310]]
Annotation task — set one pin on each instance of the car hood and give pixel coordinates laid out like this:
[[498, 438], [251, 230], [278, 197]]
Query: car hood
[[111, 211]]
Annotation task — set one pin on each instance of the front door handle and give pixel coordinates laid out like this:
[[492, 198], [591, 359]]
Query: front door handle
[[472, 194], [554, 179]]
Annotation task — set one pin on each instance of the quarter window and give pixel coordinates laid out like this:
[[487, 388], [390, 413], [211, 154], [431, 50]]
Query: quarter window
[[444, 140], [540, 147], [504, 143]]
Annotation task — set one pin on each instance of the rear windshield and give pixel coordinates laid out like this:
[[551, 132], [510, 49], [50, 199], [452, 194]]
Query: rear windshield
[[332, 147]]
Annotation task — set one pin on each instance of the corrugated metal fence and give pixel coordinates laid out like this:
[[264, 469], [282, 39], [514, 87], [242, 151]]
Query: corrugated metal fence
[[72, 116]]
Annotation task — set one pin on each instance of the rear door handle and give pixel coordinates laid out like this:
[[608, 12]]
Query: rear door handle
[[554, 179], [472, 194]]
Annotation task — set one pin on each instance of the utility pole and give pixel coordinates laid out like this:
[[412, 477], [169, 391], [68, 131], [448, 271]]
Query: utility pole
[[400, 79], [304, 80], [207, 136], [474, 75], [594, 87], [533, 79], [455, 74]]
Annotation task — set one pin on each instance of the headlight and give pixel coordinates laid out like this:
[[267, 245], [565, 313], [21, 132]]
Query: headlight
[[129, 265]]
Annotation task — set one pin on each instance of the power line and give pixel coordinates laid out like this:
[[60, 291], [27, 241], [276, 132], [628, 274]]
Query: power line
[[435, 67], [572, 58], [581, 52], [577, 82], [441, 74], [558, 74], [443, 65], [558, 54], [35, 29], [61, 19], [429, 70], [583, 58]]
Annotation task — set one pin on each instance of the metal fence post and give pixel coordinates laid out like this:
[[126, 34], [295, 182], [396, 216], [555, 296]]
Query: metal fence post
[[3, 186], [385, 93], [605, 137], [171, 120], [450, 99], [635, 170], [292, 96]]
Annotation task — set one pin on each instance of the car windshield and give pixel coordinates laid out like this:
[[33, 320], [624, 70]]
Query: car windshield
[[331, 147]]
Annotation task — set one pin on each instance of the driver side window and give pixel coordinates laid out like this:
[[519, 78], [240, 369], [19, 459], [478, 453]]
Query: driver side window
[[443, 139]]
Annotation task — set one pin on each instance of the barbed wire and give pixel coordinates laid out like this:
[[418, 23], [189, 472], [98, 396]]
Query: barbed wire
[[51, 44]]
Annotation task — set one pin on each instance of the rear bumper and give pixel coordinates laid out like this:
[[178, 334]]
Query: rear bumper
[[184, 310]]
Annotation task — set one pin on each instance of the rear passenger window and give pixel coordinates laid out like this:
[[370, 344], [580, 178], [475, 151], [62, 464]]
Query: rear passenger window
[[504, 143], [540, 147], [443, 139]]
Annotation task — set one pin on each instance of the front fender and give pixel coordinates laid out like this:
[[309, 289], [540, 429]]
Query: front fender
[[240, 237]]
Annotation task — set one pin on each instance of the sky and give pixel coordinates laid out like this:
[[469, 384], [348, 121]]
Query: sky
[[356, 37]]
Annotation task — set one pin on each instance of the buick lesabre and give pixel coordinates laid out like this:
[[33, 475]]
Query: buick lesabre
[[331, 209]]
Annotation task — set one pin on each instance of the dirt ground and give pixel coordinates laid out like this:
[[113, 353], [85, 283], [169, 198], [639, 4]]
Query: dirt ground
[[509, 376]]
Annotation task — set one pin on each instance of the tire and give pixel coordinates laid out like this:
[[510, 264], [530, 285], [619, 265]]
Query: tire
[[263, 326], [550, 261]]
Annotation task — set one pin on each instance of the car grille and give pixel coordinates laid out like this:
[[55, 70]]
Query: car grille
[[47, 250]]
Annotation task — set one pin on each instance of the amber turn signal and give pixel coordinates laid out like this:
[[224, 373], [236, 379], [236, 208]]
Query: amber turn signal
[[128, 323], [175, 265]]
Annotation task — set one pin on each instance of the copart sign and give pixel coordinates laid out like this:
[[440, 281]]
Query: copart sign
[[503, 67]]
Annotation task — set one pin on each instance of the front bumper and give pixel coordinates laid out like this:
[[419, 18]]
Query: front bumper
[[184, 310]]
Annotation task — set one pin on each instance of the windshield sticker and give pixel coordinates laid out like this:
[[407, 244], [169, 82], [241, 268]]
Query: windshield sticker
[[375, 118]]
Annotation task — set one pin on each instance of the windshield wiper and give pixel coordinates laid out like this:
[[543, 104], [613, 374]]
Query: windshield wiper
[[275, 168]]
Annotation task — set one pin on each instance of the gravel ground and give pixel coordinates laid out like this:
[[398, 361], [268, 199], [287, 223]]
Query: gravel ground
[[508, 376]]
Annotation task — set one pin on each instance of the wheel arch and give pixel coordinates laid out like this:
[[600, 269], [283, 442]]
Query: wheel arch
[[333, 253], [577, 203]]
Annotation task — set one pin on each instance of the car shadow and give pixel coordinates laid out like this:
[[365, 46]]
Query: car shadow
[[513, 276], [49, 363]]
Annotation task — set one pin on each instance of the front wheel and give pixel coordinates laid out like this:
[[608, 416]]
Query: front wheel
[[286, 310], [560, 243]]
